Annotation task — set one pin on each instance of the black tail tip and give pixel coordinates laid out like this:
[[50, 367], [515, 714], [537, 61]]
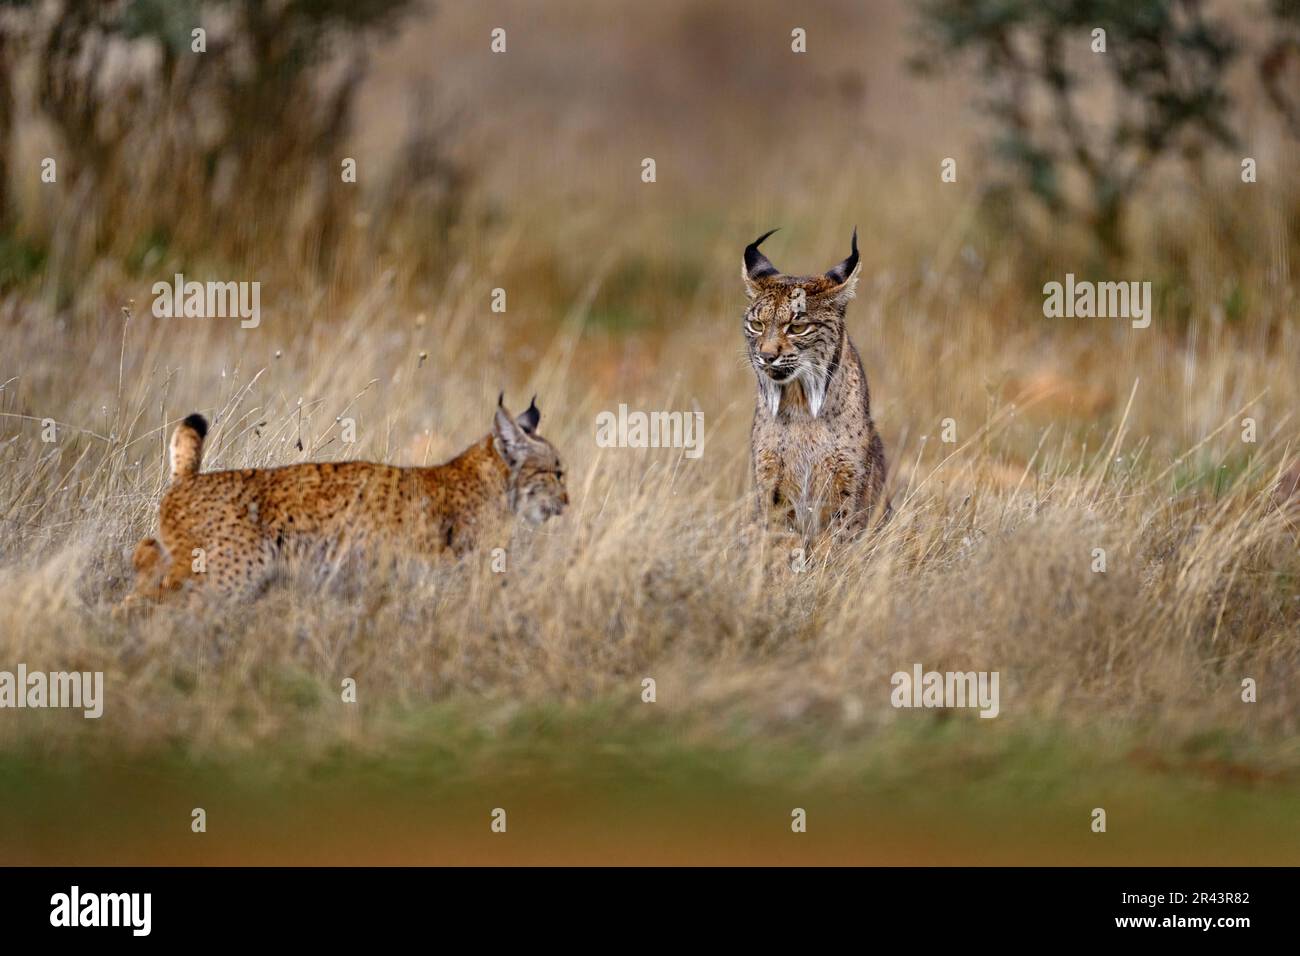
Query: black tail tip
[[198, 423]]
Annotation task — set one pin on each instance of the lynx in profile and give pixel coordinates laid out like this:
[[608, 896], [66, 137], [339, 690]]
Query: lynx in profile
[[818, 463], [242, 523]]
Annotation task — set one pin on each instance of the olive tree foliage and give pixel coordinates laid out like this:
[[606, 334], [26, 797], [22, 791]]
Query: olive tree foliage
[[161, 130], [1079, 130], [1279, 65]]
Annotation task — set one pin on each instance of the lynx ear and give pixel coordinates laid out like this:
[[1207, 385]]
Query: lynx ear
[[846, 269], [509, 439], [529, 419], [757, 266], [843, 279]]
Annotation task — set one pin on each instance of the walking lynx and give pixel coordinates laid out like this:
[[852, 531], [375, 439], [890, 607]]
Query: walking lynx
[[818, 463], [227, 530]]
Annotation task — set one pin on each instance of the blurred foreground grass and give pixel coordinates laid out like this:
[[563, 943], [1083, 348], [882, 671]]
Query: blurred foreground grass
[[597, 783]]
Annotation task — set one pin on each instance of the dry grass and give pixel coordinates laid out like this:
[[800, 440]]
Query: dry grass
[[986, 565]]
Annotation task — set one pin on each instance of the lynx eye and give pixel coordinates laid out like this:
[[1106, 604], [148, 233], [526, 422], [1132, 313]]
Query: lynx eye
[[754, 327], [798, 328]]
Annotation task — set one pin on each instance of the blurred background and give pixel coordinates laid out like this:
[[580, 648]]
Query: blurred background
[[522, 170]]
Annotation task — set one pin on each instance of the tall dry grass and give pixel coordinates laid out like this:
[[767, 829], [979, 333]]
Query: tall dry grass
[[986, 565]]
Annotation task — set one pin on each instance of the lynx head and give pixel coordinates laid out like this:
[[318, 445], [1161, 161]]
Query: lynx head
[[794, 324], [536, 484]]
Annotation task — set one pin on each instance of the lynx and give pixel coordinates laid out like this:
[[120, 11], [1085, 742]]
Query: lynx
[[226, 531], [818, 463]]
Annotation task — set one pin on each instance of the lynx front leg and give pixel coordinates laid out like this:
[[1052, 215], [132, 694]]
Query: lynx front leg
[[849, 517], [773, 507]]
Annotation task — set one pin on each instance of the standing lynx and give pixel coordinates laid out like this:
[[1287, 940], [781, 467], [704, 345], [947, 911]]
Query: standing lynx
[[227, 530], [818, 462]]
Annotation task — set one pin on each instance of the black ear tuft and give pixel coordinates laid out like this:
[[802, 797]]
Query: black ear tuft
[[198, 423], [758, 265], [841, 272], [501, 399], [529, 419]]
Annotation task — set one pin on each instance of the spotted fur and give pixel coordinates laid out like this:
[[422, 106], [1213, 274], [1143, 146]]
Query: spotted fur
[[817, 460], [225, 532]]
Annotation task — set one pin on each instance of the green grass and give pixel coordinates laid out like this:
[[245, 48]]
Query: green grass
[[945, 790], [20, 261]]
